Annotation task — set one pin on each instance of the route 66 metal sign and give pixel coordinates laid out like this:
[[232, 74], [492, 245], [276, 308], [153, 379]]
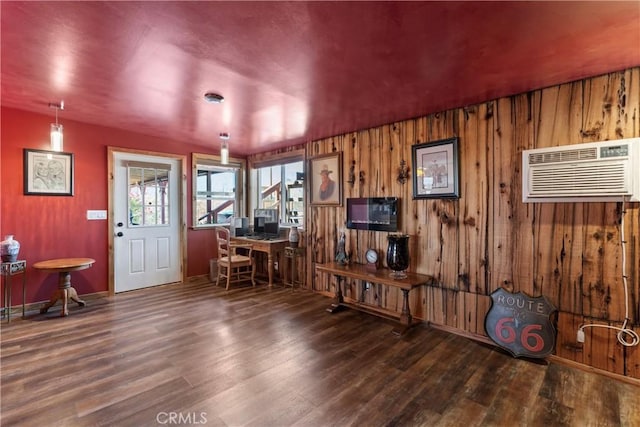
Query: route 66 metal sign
[[521, 324]]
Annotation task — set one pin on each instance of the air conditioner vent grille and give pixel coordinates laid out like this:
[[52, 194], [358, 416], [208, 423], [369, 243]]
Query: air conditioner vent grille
[[603, 171], [601, 177], [563, 156]]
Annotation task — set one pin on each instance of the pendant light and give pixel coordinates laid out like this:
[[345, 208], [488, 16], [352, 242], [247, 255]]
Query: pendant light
[[216, 98], [213, 98], [224, 149], [56, 129]]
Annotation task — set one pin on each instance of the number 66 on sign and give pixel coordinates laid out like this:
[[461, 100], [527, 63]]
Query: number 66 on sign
[[521, 324]]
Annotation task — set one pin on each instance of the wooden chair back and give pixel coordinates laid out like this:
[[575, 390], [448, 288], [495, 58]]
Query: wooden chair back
[[233, 266], [223, 238]]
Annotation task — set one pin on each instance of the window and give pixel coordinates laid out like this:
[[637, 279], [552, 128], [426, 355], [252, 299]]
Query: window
[[281, 187], [217, 190], [148, 196]]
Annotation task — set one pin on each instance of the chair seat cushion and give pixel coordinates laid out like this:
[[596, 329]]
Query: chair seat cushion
[[235, 259]]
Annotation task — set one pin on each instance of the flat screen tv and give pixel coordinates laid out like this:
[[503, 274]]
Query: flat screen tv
[[373, 213]]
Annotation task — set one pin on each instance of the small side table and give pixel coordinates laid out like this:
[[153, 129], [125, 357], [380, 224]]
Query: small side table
[[291, 255], [11, 269], [65, 292]]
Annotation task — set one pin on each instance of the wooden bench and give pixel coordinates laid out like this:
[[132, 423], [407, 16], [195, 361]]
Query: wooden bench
[[380, 276]]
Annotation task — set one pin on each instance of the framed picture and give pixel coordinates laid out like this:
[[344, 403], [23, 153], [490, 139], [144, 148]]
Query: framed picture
[[48, 173], [325, 180], [435, 169]]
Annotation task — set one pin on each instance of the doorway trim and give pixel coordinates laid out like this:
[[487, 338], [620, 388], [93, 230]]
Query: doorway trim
[[182, 197]]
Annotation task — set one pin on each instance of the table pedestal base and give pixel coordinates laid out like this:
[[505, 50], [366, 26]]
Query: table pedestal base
[[64, 292]]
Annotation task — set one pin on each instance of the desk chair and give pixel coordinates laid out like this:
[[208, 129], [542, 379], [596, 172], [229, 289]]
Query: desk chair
[[234, 266]]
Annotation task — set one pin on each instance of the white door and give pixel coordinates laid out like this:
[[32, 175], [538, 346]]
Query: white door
[[146, 221]]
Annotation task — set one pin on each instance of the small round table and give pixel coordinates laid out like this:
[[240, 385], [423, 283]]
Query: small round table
[[64, 267]]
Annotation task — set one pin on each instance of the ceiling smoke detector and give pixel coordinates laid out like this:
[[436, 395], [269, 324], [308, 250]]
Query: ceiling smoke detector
[[213, 98]]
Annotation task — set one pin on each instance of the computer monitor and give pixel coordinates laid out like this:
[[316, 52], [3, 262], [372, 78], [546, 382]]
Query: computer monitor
[[262, 217], [239, 226], [258, 224], [271, 229], [270, 215]]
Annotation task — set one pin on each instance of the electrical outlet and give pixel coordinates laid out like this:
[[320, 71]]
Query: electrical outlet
[[96, 214], [580, 336]]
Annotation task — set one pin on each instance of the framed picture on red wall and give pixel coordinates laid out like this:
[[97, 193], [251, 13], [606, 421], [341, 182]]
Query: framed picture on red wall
[[48, 173]]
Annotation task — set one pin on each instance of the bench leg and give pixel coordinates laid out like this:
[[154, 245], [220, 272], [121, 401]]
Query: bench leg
[[405, 317], [338, 299]]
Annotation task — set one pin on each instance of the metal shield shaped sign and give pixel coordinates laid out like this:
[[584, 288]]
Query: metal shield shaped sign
[[521, 324]]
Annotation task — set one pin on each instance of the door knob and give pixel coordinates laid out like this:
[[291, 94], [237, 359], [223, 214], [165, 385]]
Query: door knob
[[119, 224], [119, 234]]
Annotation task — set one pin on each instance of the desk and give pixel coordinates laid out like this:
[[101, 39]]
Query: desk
[[381, 276], [64, 267], [11, 269], [272, 248]]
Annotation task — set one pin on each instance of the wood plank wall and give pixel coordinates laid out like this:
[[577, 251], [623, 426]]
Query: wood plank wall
[[569, 252]]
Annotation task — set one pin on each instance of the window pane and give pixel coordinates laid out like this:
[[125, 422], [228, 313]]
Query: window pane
[[135, 196], [215, 194], [270, 188], [295, 192], [286, 179]]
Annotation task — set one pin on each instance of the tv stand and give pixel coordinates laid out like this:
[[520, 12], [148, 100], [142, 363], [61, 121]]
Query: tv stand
[[381, 276]]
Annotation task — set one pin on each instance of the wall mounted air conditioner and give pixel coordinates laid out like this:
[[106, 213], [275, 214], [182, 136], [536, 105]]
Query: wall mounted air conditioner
[[603, 171]]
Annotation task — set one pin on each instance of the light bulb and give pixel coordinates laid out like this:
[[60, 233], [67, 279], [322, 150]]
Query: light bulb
[[56, 137], [224, 153]]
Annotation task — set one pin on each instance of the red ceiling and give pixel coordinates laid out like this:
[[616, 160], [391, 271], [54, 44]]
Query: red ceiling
[[296, 71]]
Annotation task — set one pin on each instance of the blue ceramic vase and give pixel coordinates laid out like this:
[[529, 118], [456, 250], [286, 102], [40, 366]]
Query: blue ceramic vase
[[9, 249]]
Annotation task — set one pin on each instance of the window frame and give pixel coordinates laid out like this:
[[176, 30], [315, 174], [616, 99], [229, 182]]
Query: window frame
[[214, 160], [280, 159]]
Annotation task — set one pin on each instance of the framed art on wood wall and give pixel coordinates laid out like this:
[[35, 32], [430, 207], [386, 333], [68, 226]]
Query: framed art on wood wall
[[435, 169], [325, 180], [48, 173]]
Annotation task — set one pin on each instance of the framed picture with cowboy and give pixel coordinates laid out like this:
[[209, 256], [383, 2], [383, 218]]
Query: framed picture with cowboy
[[325, 180]]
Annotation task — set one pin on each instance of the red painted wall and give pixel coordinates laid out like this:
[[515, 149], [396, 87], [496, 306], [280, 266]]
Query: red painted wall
[[56, 226]]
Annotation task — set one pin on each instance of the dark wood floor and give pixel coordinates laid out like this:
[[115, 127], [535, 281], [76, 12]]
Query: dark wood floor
[[260, 357]]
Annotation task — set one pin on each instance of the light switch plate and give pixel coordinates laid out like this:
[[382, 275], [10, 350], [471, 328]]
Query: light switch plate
[[96, 214]]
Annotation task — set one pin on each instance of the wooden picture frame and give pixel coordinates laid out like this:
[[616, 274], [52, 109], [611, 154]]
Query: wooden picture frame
[[325, 180], [48, 173], [436, 170]]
